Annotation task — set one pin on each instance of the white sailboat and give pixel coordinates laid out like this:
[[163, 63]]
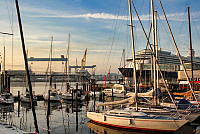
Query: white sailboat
[[26, 97], [133, 118], [55, 95], [6, 98], [137, 120]]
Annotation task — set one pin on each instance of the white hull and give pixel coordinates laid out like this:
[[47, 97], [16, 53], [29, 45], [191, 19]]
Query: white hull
[[136, 123], [67, 96], [7, 101], [27, 99], [97, 94], [56, 98]]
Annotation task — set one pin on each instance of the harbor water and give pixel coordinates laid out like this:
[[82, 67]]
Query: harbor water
[[65, 118]]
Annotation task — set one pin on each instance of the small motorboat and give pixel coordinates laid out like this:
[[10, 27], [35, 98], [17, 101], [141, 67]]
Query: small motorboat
[[26, 98], [6, 98], [54, 96]]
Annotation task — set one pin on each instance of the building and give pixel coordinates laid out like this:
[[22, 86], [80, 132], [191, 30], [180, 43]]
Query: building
[[169, 64]]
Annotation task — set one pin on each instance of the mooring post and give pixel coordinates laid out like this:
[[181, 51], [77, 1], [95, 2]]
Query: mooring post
[[94, 99], [68, 87], [76, 86], [18, 103], [48, 111], [112, 95], [55, 85], [72, 100], [87, 87], [84, 87], [76, 112], [8, 86]]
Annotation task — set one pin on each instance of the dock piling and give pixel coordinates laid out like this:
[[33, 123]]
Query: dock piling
[[18, 111]]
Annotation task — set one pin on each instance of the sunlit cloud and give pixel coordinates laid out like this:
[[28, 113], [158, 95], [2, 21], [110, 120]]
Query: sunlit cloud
[[107, 16]]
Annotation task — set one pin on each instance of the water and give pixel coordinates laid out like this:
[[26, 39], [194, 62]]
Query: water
[[63, 119]]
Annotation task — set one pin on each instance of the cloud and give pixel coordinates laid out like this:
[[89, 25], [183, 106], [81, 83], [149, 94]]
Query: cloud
[[108, 16], [89, 15]]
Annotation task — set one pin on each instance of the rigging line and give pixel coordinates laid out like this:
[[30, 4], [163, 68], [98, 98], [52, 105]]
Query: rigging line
[[114, 26], [175, 45], [116, 38], [66, 65], [47, 70], [165, 83], [10, 11], [163, 26], [149, 35]]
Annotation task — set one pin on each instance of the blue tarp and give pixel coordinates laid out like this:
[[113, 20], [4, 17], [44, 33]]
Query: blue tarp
[[184, 104]]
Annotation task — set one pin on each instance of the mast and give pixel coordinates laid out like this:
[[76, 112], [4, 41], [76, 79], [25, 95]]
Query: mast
[[4, 67], [26, 67], [178, 53], [157, 56], [191, 50], [133, 53], [67, 65], [154, 52], [76, 70], [50, 63], [124, 58]]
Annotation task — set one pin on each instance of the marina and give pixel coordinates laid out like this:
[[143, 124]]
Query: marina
[[151, 91]]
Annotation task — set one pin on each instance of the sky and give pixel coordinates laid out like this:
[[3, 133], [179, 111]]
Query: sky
[[101, 26]]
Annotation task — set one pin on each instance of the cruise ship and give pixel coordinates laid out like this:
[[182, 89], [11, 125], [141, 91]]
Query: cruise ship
[[168, 62]]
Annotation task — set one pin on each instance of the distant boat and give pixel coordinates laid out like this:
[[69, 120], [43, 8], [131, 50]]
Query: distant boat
[[26, 98], [118, 90], [67, 96], [54, 96], [6, 98]]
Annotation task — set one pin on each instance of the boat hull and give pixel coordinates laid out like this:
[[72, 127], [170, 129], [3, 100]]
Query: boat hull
[[134, 123], [53, 98]]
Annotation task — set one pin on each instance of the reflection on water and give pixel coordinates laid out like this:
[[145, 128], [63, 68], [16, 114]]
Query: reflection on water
[[102, 129], [65, 118]]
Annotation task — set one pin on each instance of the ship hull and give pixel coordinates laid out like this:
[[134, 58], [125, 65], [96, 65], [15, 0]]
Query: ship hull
[[137, 123]]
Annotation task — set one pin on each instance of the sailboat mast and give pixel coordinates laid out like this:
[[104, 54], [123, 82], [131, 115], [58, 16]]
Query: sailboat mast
[[191, 50], [154, 51], [51, 53], [67, 65], [178, 53], [4, 66], [26, 66], [133, 53], [124, 58], [156, 38]]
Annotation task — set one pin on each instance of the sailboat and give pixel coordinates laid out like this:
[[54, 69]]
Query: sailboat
[[6, 98], [133, 118], [55, 95], [67, 94], [26, 98]]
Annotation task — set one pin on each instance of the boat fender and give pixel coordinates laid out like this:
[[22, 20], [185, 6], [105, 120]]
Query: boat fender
[[132, 122], [104, 118]]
